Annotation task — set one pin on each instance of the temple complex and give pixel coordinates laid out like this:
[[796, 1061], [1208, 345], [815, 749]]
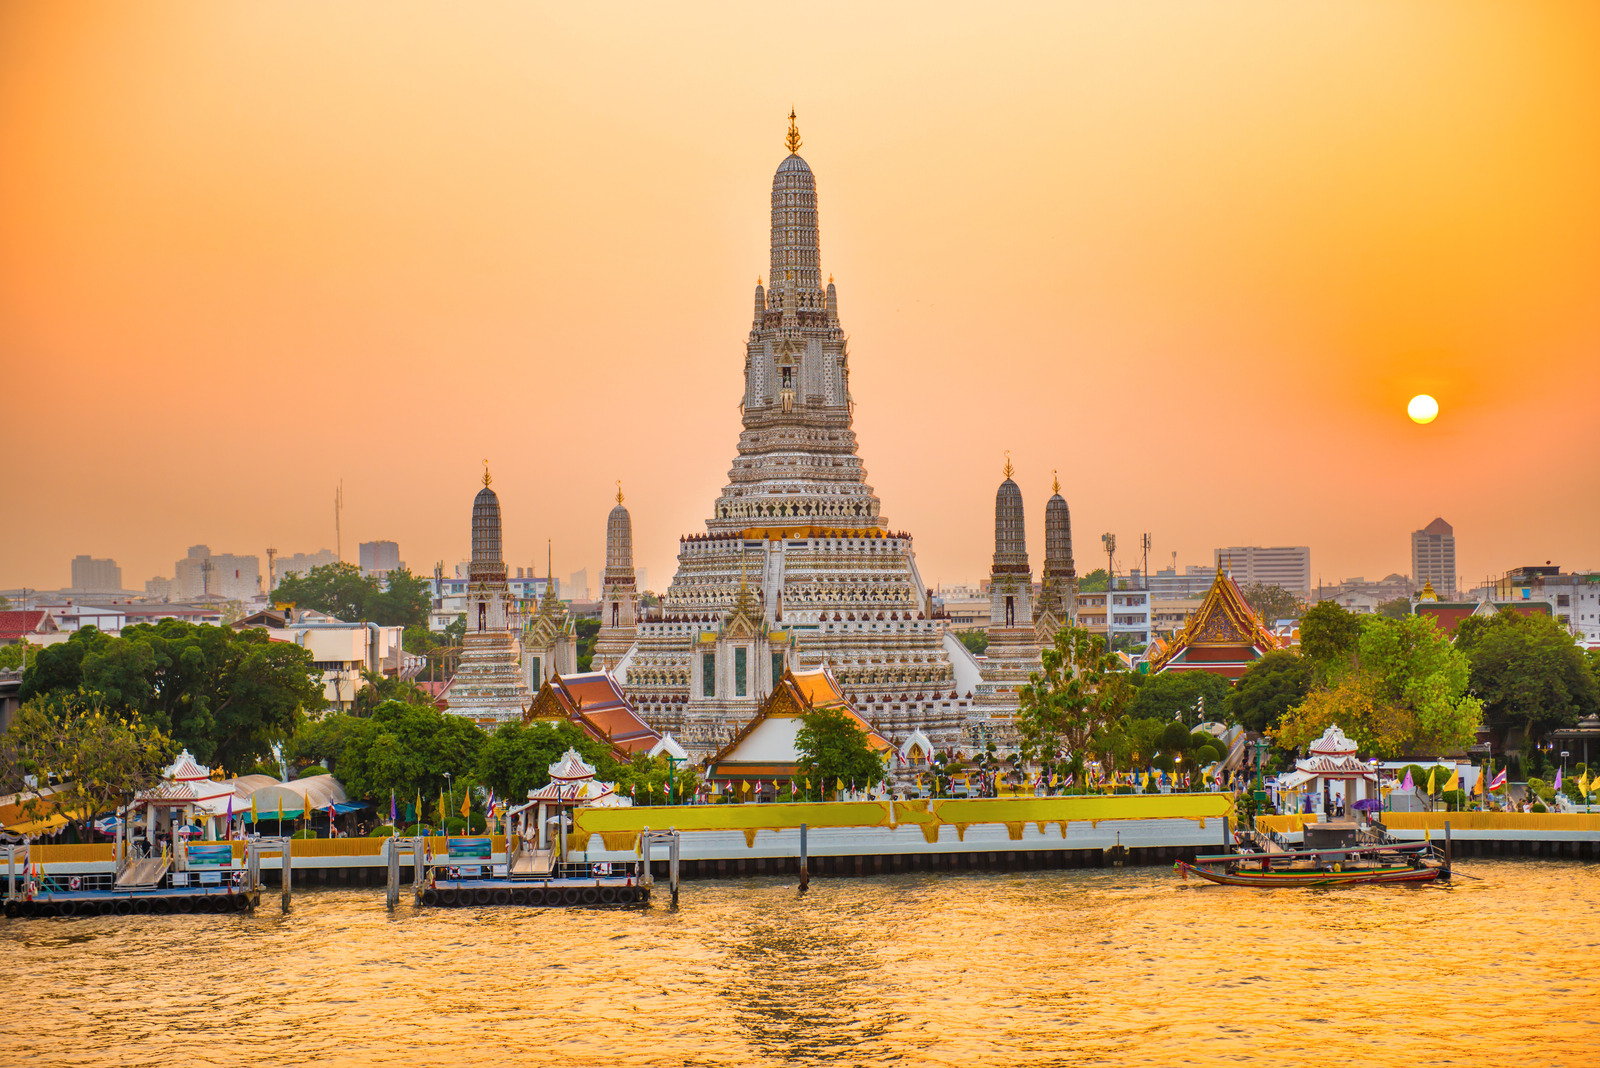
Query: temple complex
[[798, 566], [1224, 636], [488, 686], [550, 640]]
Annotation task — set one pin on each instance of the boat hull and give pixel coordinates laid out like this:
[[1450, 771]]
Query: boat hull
[[1279, 879]]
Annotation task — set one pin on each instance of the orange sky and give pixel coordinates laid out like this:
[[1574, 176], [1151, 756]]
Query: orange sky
[[1196, 256]]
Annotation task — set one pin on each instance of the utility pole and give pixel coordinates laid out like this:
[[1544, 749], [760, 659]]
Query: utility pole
[[272, 570], [1110, 542], [338, 521], [1144, 542]]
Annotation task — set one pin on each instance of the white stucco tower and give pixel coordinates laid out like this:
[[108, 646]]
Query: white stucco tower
[[797, 566]]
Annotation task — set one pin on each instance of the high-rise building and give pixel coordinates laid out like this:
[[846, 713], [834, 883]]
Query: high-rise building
[[1433, 557], [302, 563], [798, 566], [1285, 566], [379, 557], [204, 574], [577, 587], [96, 576]]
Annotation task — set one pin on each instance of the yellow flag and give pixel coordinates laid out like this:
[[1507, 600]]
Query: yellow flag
[[1430, 779], [1583, 783], [466, 803], [252, 808], [441, 810], [838, 785], [1477, 784], [1454, 781]]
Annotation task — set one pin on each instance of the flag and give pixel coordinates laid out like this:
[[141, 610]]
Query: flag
[[1477, 785], [1454, 781], [330, 819], [1557, 786], [252, 809], [229, 819], [466, 803], [838, 786], [488, 806], [1499, 780], [280, 806], [394, 813], [1408, 784], [1430, 780], [417, 815], [1583, 784], [442, 809]]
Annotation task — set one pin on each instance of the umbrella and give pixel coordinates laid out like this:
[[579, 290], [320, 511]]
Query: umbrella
[[189, 830], [108, 825], [1368, 804]]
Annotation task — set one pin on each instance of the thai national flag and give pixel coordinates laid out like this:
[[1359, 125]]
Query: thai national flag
[[1499, 780]]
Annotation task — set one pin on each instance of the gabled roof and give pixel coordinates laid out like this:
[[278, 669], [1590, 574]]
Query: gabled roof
[[19, 623], [1223, 630], [595, 702], [1447, 615], [766, 744]]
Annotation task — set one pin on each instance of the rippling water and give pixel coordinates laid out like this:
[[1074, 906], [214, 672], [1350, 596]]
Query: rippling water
[[1032, 968]]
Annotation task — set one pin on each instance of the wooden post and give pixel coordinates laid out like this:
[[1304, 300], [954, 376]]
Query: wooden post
[[287, 879], [672, 866], [1447, 850], [393, 894], [418, 848], [647, 875], [805, 874], [1227, 835]]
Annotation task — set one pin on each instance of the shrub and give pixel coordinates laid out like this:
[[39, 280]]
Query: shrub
[[315, 769], [304, 834], [415, 829], [1538, 806], [385, 831], [1455, 800]]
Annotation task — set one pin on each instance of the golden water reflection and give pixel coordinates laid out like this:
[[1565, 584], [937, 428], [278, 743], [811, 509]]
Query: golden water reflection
[[1037, 968]]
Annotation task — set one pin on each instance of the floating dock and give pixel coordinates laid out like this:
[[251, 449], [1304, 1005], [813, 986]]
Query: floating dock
[[206, 878]]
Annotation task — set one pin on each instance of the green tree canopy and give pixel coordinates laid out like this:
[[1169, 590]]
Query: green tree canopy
[[516, 758], [1408, 696], [1194, 696], [1398, 608], [342, 591], [976, 640], [587, 630], [1079, 692], [1269, 688], [1329, 637], [831, 748], [1528, 671], [404, 748], [1094, 582], [101, 755], [1272, 603], [227, 696]]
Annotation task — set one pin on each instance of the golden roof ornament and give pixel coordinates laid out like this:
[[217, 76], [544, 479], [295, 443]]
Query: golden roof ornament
[[1055, 483], [619, 491], [792, 140], [486, 479], [1009, 469]]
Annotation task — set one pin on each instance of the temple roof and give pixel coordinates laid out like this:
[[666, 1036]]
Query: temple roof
[[571, 768], [1223, 624], [768, 739], [594, 701]]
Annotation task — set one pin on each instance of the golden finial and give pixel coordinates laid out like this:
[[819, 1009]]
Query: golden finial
[[619, 491], [1055, 483], [793, 139], [830, 279], [1009, 469], [758, 279], [486, 479]]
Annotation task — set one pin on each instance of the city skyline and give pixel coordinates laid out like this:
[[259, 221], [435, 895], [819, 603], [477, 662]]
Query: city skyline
[[548, 265]]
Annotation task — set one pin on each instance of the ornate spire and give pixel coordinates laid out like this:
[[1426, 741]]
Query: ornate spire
[[486, 478], [1009, 469], [1055, 483], [619, 491], [792, 140]]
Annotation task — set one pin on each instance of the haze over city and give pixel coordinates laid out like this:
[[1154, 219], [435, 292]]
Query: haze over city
[[1198, 263]]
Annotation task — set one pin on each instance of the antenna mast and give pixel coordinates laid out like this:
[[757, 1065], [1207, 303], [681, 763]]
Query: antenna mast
[[338, 521]]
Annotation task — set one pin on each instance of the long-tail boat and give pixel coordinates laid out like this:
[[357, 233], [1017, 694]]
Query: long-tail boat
[[1346, 866]]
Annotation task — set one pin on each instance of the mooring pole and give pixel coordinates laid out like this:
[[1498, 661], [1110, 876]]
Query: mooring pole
[[672, 866], [1447, 849], [393, 894], [805, 873], [1227, 835], [647, 875], [287, 880]]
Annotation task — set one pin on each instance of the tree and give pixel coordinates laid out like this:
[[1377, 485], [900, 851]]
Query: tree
[[1329, 636], [1196, 696], [1405, 693], [1272, 602], [1398, 608], [830, 747], [587, 630], [516, 758], [976, 640], [1094, 582], [342, 591], [18, 656], [405, 749], [376, 689], [1528, 671], [1269, 688], [1076, 695], [227, 696], [653, 781], [99, 755]]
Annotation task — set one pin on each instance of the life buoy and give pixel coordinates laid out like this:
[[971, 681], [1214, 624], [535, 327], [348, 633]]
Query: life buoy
[[75, 883], [238, 878]]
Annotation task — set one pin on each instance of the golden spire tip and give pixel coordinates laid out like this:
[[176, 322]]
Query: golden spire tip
[[619, 491], [792, 141], [1009, 469], [1055, 483], [486, 479]]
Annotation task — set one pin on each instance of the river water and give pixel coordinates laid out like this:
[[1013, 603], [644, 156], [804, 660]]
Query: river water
[[1131, 967]]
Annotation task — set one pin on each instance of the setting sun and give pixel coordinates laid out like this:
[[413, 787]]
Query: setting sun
[[1422, 409]]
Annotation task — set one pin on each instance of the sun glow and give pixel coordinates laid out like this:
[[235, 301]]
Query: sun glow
[[1422, 409]]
